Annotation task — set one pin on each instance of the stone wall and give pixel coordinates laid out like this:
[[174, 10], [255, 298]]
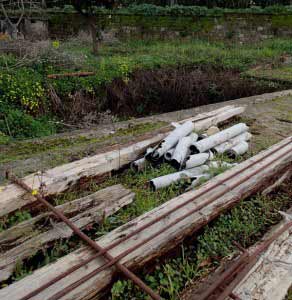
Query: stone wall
[[234, 27]]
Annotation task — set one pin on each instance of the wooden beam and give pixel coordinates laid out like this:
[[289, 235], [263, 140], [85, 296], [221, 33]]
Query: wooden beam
[[271, 276], [63, 177], [26, 238], [245, 182]]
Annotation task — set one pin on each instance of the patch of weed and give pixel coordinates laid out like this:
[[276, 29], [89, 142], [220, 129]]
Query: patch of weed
[[17, 217]]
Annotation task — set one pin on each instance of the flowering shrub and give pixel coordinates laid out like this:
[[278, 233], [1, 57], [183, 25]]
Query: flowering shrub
[[22, 89]]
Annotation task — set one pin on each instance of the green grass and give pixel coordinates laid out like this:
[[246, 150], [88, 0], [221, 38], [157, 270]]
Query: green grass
[[289, 295], [283, 74], [140, 54], [119, 60]]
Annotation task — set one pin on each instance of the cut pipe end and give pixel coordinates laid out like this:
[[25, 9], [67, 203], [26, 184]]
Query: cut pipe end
[[194, 149], [152, 185], [231, 154], [175, 164]]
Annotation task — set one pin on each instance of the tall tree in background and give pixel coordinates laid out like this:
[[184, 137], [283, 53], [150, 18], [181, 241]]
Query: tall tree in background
[[86, 9]]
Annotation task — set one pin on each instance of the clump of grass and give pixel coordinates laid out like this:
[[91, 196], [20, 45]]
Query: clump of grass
[[17, 217]]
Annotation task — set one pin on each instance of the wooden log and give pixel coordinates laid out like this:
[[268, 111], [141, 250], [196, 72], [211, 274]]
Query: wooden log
[[27, 229], [228, 194], [61, 178], [92, 209], [271, 276]]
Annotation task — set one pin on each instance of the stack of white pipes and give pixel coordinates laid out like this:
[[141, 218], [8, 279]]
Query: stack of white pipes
[[192, 154]]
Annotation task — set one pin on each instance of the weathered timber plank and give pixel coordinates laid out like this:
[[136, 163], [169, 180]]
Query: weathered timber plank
[[61, 178], [29, 228], [238, 187], [94, 213], [271, 276]]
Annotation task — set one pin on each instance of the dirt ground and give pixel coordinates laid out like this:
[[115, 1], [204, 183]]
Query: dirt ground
[[268, 115]]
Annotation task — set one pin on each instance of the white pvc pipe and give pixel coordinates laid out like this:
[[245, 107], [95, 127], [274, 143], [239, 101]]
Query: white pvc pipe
[[218, 138], [167, 180], [198, 159], [182, 149], [171, 140], [237, 150], [218, 164], [198, 181], [246, 136], [139, 164]]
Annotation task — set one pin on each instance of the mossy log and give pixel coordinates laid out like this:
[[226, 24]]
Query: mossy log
[[245, 182]]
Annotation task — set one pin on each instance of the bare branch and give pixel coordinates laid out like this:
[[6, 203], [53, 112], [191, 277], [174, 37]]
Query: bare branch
[[5, 14]]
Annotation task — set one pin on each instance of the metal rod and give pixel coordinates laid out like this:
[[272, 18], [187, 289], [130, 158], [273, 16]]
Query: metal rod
[[225, 276], [252, 259], [138, 230], [85, 238], [135, 247]]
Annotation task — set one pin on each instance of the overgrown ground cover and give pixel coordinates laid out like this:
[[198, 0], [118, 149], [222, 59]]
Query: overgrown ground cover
[[32, 104], [281, 74], [245, 223]]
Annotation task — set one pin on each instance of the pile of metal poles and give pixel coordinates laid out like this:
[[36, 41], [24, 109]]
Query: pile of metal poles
[[193, 154]]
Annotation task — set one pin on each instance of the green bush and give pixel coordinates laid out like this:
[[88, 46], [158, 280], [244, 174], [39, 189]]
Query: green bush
[[194, 9], [22, 88], [17, 124]]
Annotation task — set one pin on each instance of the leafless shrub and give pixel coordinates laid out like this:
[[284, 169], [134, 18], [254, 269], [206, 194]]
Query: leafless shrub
[[171, 89]]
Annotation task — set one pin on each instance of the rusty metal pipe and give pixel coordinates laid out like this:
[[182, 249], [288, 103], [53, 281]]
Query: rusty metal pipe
[[85, 238], [125, 253]]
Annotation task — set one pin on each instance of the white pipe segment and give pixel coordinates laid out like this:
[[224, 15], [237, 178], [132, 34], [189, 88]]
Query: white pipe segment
[[167, 180], [182, 149], [198, 159], [218, 138], [168, 154], [237, 150], [139, 164], [218, 164], [198, 181], [171, 140], [246, 136]]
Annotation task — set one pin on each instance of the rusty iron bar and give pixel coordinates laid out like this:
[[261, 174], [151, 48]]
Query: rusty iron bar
[[234, 296], [227, 275], [135, 247], [75, 74], [252, 260], [85, 238], [76, 267]]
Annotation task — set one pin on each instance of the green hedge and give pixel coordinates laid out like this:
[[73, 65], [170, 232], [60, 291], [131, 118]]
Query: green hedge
[[150, 9]]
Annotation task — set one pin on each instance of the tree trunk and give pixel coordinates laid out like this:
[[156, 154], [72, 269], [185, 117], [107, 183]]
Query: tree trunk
[[93, 32]]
